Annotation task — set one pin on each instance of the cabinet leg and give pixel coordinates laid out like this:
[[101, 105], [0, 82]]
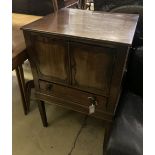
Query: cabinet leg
[[41, 106], [108, 128], [29, 85], [21, 83]]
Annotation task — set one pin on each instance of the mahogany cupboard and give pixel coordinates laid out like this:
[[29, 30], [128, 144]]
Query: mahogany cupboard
[[78, 59]]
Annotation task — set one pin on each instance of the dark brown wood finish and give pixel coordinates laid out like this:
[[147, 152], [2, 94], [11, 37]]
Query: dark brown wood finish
[[78, 59], [91, 25], [51, 57], [108, 128], [21, 82], [42, 110], [73, 95], [92, 66], [18, 58], [85, 58]]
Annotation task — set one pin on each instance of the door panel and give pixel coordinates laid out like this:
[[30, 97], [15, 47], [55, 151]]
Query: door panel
[[92, 67], [51, 58]]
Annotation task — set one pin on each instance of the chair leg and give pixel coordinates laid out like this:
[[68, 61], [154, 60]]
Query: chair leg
[[108, 128], [21, 82], [41, 106]]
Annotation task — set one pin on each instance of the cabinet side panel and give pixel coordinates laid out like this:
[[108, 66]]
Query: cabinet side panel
[[118, 73]]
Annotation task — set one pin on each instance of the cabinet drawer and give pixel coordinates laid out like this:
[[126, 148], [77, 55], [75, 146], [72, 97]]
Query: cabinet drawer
[[81, 98]]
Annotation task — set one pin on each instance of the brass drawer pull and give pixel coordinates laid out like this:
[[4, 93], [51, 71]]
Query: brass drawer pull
[[49, 87], [92, 100]]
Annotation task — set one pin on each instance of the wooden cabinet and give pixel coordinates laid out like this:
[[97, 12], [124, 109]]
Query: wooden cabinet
[[81, 63]]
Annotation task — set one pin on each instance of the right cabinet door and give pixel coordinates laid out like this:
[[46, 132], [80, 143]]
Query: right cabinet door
[[92, 67]]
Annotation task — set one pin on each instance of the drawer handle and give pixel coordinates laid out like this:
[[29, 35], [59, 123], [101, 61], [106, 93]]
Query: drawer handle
[[49, 87], [92, 100]]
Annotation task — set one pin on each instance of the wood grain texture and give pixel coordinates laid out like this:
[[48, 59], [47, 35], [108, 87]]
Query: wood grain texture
[[92, 67], [73, 106], [76, 55], [51, 57], [73, 95], [109, 27]]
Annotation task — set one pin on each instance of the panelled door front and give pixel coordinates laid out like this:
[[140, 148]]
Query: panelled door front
[[92, 67], [51, 58]]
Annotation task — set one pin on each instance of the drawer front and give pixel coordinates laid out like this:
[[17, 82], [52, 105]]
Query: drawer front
[[83, 99]]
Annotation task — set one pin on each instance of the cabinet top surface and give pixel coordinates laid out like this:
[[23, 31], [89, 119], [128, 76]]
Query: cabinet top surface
[[108, 27]]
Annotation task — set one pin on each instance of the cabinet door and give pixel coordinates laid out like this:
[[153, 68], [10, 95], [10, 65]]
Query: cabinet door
[[92, 67], [50, 58]]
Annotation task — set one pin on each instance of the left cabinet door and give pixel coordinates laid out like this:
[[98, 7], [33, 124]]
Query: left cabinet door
[[49, 58]]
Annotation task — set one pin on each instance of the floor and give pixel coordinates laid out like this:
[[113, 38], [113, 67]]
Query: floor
[[68, 133]]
